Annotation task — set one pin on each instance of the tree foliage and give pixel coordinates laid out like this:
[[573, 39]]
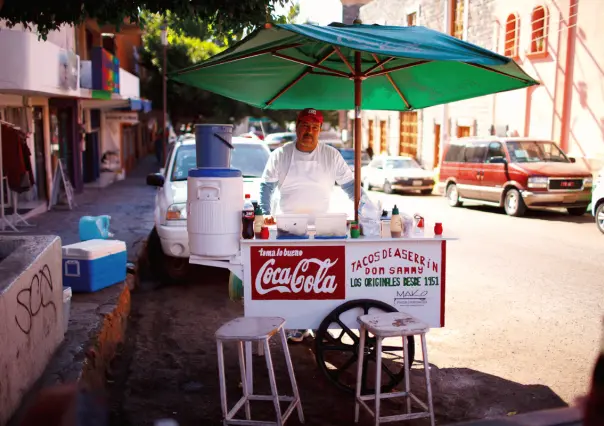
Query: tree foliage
[[190, 40], [223, 15]]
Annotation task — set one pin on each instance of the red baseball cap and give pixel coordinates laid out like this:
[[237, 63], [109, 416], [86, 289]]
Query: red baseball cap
[[311, 114]]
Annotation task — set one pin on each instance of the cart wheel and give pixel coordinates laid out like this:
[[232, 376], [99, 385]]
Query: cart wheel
[[336, 350], [235, 287]]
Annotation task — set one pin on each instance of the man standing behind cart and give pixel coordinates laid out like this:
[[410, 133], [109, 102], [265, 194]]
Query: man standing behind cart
[[305, 173]]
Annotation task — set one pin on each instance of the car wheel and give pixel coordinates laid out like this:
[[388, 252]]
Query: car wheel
[[426, 191], [453, 195], [514, 204], [167, 269], [600, 217], [576, 211], [387, 188]]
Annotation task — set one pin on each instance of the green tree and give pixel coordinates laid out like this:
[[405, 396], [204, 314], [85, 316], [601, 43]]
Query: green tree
[[224, 15], [190, 40]]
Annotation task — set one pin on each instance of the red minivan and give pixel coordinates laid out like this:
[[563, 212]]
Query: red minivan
[[513, 173]]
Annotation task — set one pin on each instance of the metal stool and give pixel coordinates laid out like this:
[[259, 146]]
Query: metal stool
[[255, 329], [396, 324]]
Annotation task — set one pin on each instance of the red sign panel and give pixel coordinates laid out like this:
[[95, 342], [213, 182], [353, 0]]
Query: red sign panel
[[298, 272]]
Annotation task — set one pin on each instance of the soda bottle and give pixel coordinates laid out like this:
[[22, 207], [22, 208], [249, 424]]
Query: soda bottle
[[594, 406], [247, 219]]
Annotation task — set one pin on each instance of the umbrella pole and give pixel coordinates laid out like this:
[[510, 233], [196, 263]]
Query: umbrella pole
[[357, 133]]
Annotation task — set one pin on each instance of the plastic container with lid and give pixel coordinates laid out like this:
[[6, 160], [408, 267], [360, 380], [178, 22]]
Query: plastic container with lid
[[92, 265], [292, 225], [331, 225]]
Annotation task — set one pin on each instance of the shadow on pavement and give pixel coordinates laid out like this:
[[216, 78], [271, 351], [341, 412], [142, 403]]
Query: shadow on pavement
[[168, 368], [549, 215]]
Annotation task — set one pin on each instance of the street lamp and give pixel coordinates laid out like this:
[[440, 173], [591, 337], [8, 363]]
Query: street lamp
[[164, 42]]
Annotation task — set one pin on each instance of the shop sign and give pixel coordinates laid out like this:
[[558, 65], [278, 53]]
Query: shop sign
[[298, 272], [122, 116], [105, 71], [408, 276]]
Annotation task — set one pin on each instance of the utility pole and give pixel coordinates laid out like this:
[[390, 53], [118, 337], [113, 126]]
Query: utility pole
[[164, 42]]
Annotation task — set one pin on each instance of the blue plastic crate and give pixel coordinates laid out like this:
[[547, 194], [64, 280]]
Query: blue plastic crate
[[92, 265]]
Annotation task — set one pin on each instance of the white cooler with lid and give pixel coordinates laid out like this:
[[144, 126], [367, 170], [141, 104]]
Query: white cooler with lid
[[214, 207]]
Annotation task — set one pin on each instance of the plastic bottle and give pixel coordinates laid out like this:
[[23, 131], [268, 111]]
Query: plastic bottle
[[385, 222], [396, 223], [258, 222], [419, 225], [247, 219]]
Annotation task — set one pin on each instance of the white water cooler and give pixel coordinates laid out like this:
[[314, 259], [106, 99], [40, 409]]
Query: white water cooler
[[214, 202]]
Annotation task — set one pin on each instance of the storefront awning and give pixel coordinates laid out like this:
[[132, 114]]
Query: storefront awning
[[132, 104]]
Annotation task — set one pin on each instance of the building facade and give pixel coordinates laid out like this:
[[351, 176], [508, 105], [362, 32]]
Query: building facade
[[555, 41], [47, 91]]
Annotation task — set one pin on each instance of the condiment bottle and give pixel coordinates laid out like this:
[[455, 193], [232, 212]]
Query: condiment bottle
[[419, 225], [385, 225], [396, 223], [355, 232], [258, 221], [438, 229], [264, 233]]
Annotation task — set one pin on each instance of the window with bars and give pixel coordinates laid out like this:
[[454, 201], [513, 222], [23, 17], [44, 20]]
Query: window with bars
[[412, 19], [408, 133], [457, 18], [511, 36], [539, 32]]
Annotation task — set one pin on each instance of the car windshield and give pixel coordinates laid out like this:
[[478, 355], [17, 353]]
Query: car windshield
[[247, 157], [535, 152], [402, 163]]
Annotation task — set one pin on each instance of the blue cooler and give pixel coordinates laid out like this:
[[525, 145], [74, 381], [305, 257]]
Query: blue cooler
[[94, 264]]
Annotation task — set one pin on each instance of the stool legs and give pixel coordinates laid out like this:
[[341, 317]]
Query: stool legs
[[222, 379], [244, 384], [378, 378], [273, 382], [407, 373], [360, 356], [427, 375], [292, 377], [360, 400]]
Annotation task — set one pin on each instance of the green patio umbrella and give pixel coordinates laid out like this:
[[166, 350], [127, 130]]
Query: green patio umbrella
[[338, 67]]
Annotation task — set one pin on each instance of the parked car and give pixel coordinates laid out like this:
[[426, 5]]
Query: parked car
[[348, 154], [168, 243], [276, 140], [391, 173], [513, 173], [597, 201]]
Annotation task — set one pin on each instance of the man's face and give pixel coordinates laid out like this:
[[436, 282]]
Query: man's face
[[308, 135]]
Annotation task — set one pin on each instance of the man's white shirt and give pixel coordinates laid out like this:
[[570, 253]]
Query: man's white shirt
[[327, 156]]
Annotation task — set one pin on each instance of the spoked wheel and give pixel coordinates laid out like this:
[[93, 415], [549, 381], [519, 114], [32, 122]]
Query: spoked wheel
[[336, 349]]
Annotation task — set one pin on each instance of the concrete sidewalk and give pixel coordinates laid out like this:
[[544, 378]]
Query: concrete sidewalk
[[98, 320]]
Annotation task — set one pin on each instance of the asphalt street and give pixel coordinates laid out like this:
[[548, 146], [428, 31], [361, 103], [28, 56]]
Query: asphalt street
[[525, 296]]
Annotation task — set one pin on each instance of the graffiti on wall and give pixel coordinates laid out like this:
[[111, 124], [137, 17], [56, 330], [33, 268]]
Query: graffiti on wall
[[35, 298]]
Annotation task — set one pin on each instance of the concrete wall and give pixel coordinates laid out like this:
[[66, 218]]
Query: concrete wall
[[31, 313], [63, 37], [586, 119]]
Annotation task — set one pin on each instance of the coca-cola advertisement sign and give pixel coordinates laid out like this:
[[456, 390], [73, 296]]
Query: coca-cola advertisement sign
[[298, 272]]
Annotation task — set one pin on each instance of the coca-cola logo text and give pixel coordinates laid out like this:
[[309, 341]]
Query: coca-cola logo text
[[308, 273]]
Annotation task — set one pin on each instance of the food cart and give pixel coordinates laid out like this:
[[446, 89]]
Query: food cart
[[324, 284]]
